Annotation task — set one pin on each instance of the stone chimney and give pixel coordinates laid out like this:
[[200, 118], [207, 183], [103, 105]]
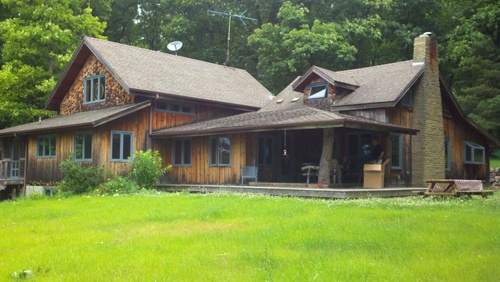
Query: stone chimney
[[428, 158]]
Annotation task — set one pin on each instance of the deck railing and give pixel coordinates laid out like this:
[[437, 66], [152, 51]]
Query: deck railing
[[11, 170]]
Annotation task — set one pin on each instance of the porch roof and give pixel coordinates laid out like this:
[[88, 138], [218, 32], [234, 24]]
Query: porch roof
[[77, 120], [296, 118]]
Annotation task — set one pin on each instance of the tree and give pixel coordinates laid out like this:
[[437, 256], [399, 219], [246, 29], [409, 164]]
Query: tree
[[473, 50], [38, 39], [291, 46]]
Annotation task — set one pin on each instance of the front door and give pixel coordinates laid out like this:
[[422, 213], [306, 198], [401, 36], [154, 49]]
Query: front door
[[17, 166]]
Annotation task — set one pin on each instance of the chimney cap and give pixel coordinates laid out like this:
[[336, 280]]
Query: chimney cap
[[428, 33]]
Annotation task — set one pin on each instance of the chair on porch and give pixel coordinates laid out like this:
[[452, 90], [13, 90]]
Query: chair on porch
[[249, 172], [335, 172]]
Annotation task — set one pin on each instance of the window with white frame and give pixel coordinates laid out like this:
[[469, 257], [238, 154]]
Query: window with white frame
[[396, 151], [83, 146], [220, 151], [181, 152], [447, 154], [474, 153], [122, 146], [46, 146], [318, 91], [174, 107], [94, 89]]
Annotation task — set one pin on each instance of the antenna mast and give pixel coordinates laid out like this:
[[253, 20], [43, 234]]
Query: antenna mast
[[241, 17]]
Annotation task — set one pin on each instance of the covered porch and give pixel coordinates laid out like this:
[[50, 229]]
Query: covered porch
[[12, 166]]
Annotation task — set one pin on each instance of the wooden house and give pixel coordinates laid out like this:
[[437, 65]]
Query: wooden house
[[209, 120], [404, 105], [110, 99]]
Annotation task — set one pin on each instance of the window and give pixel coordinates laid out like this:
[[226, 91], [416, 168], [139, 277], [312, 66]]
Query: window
[[447, 155], [220, 151], [46, 146], [83, 146], [181, 154], [474, 153], [396, 151], [318, 91], [122, 144], [266, 150], [171, 107], [94, 89]]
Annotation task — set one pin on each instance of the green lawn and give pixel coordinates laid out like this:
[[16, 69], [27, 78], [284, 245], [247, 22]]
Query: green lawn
[[494, 162], [226, 237]]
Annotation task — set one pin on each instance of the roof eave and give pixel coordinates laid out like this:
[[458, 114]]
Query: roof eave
[[48, 104], [153, 95]]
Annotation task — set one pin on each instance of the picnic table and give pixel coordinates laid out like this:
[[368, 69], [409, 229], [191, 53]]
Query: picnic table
[[456, 187]]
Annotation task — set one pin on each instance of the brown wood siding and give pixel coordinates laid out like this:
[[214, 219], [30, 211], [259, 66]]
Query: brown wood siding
[[200, 172], [400, 115], [201, 112], [47, 169], [116, 95], [457, 131]]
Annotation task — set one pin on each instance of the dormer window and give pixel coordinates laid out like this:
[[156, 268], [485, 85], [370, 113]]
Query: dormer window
[[318, 91], [94, 89]]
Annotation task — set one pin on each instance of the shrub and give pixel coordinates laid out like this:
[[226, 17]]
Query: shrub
[[117, 185], [147, 167], [79, 178]]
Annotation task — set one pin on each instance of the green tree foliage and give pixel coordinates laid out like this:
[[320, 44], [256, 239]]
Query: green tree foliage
[[474, 49], [37, 40], [288, 48]]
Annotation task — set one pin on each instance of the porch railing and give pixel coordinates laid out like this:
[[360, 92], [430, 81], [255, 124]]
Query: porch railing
[[11, 170]]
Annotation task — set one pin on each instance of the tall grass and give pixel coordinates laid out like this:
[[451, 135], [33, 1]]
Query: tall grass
[[226, 237]]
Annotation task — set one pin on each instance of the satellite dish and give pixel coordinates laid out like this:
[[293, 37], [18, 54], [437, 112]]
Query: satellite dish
[[174, 46]]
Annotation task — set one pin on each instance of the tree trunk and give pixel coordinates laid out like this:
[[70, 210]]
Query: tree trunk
[[326, 157]]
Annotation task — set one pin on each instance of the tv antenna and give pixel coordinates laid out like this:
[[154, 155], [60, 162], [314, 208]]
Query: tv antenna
[[241, 17], [174, 46]]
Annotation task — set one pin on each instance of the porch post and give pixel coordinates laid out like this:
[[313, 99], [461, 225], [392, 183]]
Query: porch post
[[326, 156]]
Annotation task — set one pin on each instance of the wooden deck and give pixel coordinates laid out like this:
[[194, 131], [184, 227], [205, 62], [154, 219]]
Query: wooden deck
[[296, 190]]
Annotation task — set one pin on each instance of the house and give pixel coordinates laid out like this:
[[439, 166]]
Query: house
[[404, 105], [110, 98], [209, 120]]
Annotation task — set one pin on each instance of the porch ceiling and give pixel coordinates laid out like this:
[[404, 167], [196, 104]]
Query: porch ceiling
[[293, 119]]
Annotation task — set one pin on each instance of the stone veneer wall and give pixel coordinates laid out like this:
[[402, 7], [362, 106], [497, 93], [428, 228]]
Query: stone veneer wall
[[428, 160], [116, 95]]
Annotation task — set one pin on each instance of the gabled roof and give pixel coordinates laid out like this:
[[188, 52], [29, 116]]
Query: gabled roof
[[295, 118], [145, 72], [78, 120], [334, 78], [372, 87]]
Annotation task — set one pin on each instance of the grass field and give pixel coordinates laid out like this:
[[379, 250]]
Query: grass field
[[226, 237], [494, 162]]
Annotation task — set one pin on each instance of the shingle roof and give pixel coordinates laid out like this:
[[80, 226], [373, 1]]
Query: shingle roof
[[296, 118], [376, 86], [142, 70], [286, 99], [77, 120], [381, 84]]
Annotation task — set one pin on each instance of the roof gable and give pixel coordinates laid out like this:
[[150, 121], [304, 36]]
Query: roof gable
[[151, 72]]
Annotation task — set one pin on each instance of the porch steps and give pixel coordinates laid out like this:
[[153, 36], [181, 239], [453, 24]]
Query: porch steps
[[326, 193]]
